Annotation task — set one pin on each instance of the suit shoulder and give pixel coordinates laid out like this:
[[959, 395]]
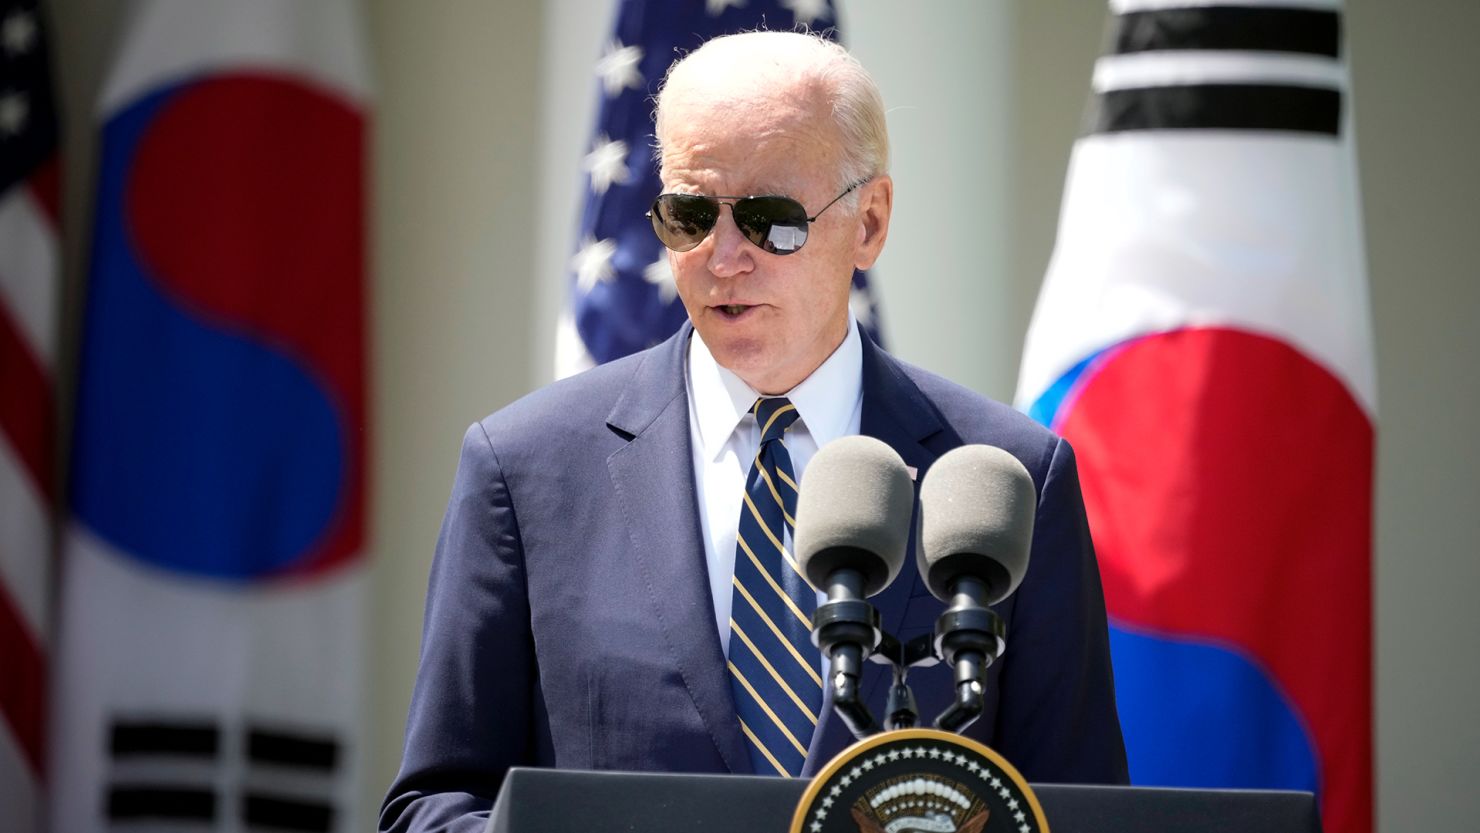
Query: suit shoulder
[[977, 418], [576, 403]]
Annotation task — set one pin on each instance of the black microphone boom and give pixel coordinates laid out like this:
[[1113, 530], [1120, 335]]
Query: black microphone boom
[[977, 505], [852, 533]]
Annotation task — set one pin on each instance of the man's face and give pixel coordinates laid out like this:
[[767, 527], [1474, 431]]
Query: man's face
[[771, 319]]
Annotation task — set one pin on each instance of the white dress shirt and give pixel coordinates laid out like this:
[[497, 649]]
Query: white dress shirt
[[725, 436]]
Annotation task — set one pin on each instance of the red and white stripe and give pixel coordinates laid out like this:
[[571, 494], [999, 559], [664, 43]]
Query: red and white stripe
[[29, 289]]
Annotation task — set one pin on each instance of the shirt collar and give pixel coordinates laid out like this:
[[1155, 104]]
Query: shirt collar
[[825, 400]]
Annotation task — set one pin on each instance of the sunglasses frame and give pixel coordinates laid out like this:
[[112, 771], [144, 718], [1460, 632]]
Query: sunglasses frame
[[763, 234]]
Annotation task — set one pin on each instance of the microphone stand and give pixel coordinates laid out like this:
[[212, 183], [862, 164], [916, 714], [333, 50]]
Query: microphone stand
[[970, 636], [900, 709], [967, 635], [846, 629]]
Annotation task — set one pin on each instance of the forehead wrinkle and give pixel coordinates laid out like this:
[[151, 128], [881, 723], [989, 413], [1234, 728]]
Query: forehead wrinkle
[[717, 140], [719, 173]]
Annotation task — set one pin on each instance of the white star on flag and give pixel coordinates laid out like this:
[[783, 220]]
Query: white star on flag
[[13, 112], [607, 163], [659, 273], [806, 11], [618, 68], [594, 263], [717, 7], [18, 33]]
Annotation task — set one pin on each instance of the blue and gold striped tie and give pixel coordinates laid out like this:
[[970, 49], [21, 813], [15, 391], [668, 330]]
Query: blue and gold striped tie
[[773, 663]]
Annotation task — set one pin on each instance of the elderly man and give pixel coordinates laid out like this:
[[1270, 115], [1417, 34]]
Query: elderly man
[[612, 588]]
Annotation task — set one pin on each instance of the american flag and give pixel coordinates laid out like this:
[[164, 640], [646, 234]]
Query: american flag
[[622, 295], [29, 281]]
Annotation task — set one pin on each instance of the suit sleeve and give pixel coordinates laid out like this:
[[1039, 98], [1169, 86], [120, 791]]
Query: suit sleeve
[[471, 707], [1057, 720]]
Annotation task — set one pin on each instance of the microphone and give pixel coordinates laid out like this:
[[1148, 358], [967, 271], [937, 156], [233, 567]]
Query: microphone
[[852, 534], [977, 505]]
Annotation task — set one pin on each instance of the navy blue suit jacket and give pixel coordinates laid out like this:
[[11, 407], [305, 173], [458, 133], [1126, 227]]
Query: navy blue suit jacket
[[569, 620]]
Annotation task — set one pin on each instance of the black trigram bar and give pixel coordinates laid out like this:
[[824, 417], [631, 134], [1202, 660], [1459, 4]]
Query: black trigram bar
[[1264, 29], [1218, 106], [175, 739], [279, 813], [155, 802], [281, 748]]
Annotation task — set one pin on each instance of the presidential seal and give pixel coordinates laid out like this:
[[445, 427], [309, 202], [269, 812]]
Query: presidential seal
[[919, 781]]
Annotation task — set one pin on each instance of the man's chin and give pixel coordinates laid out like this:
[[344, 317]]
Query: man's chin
[[744, 358], [749, 358]]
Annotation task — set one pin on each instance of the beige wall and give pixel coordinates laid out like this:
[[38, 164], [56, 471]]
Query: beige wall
[[483, 113], [456, 144], [1418, 132]]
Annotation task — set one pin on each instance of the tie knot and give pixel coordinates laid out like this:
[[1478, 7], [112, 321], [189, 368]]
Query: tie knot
[[774, 415]]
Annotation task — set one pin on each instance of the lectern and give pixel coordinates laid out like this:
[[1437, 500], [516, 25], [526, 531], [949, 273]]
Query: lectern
[[559, 801]]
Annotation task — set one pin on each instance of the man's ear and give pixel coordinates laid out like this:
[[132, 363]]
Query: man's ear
[[875, 204]]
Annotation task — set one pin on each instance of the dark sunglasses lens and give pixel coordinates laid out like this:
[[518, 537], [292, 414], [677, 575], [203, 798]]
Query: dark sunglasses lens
[[682, 221], [776, 224]]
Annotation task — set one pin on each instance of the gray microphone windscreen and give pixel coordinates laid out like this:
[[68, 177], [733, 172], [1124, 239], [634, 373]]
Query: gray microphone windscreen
[[977, 504], [853, 510]]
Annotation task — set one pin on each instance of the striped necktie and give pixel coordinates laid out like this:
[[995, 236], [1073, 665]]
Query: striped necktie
[[773, 663]]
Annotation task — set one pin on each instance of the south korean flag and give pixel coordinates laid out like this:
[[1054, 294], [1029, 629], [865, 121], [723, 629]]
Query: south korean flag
[[1203, 339]]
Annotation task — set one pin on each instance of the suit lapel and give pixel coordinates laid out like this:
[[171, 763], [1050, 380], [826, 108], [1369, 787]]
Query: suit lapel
[[664, 535], [895, 411]]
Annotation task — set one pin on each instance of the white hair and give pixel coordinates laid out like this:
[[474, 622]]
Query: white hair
[[857, 106]]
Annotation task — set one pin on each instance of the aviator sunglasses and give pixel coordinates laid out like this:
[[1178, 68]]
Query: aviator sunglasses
[[774, 223]]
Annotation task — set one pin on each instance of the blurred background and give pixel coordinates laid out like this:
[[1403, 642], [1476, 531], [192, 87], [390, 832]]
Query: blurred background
[[482, 114]]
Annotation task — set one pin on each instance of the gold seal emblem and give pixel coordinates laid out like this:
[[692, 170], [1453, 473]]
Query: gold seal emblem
[[919, 781]]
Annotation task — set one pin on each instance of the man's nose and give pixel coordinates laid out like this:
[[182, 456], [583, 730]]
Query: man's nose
[[730, 253]]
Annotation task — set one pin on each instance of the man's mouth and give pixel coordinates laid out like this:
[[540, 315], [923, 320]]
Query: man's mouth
[[733, 309]]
